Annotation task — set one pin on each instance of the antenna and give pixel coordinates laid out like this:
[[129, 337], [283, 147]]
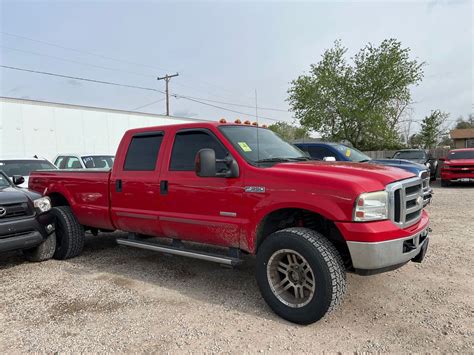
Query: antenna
[[256, 116]]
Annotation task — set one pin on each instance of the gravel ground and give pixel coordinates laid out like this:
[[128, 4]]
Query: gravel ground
[[121, 299]]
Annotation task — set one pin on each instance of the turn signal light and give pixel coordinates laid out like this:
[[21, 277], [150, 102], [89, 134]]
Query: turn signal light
[[222, 120], [254, 124], [247, 122], [238, 121], [264, 126]]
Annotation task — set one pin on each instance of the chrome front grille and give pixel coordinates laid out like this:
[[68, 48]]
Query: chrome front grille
[[427, 191], [406, 201]]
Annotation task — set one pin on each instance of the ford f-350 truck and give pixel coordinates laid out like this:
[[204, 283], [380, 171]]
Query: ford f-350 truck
[[243, 188]]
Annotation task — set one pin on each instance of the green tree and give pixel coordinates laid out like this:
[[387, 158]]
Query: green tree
[[288, 131], [432, 128], [468, 123], [361, 102]]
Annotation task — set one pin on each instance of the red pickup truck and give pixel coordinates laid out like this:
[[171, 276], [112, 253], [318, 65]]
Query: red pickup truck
[[458, 166], [241, 187]]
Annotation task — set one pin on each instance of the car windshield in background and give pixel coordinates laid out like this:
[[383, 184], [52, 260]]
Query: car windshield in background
[[352, 153], [4, 182], [24, 167], [467, 154], [271, 147], [98, 161], [409, 155]]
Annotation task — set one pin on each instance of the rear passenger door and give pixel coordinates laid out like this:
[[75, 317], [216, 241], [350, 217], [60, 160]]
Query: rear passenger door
[[201, 209], [135, 186]]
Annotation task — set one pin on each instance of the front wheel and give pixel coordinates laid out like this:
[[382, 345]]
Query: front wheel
[[300, 274], [42, 252]]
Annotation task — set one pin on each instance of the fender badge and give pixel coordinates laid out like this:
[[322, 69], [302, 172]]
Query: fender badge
[[255, 189]]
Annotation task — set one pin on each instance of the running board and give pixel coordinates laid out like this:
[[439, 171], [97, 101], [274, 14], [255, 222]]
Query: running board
[[181, 251]]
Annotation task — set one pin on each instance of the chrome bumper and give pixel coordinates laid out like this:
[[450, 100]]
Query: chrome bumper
[[389, 254]]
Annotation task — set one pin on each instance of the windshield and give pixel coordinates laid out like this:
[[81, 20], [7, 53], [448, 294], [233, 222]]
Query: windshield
[[98, 161], [24, 167], [463, 154], [352, 153], [410, 155], [4, 182], [271, 147]]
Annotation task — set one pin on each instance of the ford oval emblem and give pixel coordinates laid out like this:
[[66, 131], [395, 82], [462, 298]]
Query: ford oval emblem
[[3, 211]]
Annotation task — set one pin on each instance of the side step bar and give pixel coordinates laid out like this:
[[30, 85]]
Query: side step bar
[[181, 251]]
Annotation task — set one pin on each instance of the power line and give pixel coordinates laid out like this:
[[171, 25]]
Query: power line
[[82, 51], [149, 104], [82, 79], [74, 61], [178, 96], [240, 105]]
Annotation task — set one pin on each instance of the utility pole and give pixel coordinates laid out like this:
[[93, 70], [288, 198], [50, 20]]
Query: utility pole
[[167, 79]]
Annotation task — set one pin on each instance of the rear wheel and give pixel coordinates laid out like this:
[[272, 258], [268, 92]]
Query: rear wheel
[[69, 233], [300, 274], [42, 252]]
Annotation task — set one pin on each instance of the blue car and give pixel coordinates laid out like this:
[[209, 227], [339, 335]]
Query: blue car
[[341, 152]]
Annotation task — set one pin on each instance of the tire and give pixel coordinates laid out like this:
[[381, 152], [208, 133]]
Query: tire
[[69, 233], [326, 271], [42, 252], [445, 183]]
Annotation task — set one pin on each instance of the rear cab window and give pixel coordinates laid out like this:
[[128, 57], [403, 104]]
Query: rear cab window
[[142, 153]]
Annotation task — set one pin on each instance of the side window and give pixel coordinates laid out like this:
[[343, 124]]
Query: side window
[[58, 162], [143, 152], [320, 152], [187, 144], [73, 163]]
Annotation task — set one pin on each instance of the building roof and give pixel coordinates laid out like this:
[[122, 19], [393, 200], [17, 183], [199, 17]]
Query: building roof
[[464, 133]]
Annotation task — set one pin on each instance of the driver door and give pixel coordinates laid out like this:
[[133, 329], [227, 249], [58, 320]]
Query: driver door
[[201, 209]]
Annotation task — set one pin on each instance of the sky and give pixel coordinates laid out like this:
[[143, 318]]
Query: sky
[[233, 52]]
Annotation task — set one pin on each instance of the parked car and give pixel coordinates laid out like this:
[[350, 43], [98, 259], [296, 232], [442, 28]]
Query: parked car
[[458, 166], [243, 189], [23, 167], [88, 161], [419, 156], [26, 222], [340, 152]]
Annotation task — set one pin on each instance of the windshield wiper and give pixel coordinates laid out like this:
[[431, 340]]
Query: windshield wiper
[[280, 159]]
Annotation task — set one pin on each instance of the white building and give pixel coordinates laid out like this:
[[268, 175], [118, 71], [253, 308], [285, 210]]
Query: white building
[[46, 129]]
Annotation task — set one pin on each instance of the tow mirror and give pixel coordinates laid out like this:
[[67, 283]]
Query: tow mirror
[[206, 162], [442, 159], [329, 159], [18, 179]]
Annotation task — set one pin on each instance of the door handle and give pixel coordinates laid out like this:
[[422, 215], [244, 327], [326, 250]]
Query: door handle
[[164, 187], [118, 185]]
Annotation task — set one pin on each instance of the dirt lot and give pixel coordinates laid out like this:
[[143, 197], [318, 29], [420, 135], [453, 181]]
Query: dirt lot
[[118, 299]]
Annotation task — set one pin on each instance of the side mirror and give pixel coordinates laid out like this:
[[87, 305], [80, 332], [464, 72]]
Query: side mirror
[[442, 159], [18, 179], [205, 165], [329, 159]]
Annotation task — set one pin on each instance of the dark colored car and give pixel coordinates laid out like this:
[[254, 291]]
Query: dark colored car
[[341, 152], [419, 156], [25, 221]]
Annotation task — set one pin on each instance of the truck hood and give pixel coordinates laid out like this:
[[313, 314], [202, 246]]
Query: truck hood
[[11, 195], [460, 162], [358, 173]]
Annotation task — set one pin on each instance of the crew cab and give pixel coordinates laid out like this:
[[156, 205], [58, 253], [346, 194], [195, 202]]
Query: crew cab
[[328, 151], [25, 221], [458, 167], [242, 189]]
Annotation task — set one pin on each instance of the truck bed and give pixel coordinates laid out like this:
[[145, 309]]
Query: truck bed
[[87, 191]]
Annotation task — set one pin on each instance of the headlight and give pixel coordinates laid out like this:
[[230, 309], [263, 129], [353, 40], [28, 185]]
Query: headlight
[[43, 204], [428, 165], [371, 206]]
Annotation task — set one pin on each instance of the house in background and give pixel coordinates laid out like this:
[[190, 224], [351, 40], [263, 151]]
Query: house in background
[[463, 138]]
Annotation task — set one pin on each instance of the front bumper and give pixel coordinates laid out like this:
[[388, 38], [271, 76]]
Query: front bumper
[[372, 258], [382, 246], [25, 233], [457, 176]]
